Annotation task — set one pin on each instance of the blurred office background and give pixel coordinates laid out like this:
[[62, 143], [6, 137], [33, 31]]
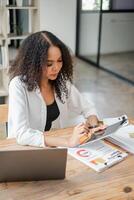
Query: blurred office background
[[105, 35]]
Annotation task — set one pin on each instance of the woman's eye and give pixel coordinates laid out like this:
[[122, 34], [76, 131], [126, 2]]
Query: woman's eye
[[49, 64], [60, 61]]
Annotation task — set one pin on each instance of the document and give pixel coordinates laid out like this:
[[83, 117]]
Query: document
[[99, 155], [124, 137]]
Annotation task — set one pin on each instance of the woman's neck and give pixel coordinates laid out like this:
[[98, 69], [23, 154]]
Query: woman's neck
[[47, 92], [45, 84]]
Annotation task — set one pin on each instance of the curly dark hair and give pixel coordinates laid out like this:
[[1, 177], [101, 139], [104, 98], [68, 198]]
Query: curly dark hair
[[32, 57]]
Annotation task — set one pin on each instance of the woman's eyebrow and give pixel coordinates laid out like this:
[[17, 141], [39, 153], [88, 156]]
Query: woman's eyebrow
[[49, 60]]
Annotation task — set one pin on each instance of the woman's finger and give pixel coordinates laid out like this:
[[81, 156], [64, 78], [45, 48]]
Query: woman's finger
[[102, 127], [80, 125]]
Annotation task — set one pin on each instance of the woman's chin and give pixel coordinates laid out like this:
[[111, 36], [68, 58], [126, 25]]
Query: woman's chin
[[52, 77]]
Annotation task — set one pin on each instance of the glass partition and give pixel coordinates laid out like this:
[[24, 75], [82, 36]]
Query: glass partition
[[88, 36], [117, 44], [105, 35]]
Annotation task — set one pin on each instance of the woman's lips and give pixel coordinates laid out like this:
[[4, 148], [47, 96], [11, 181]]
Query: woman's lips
[[54, 74]]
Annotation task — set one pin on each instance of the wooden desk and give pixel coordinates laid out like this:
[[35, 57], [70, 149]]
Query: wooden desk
[[81, 182]]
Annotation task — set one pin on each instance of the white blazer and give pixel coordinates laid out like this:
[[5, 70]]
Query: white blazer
[[27, 112]]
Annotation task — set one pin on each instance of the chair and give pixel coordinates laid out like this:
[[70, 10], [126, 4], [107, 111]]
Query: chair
[[4, 114]]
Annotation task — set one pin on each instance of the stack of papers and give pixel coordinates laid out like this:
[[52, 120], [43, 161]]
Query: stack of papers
[[98, 155], [124, 138]]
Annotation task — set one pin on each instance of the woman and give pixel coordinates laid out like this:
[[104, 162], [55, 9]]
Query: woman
[[41, 93]]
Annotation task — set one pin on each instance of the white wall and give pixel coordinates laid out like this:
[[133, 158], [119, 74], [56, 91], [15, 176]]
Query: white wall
[[59, 17], [117, 33], [89, 33]]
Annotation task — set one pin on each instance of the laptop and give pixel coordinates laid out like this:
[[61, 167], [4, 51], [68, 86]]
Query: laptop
[[32, 165]]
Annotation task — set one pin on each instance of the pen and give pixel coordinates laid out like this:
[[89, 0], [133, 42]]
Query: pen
[[114, 155], [115, 152], [117, 155]]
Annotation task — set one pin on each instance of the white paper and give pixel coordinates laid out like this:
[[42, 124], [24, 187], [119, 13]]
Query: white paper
[[122, 138], [98, 155]]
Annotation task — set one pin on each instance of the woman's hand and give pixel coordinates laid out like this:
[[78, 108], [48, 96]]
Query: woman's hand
[[97, 131], [81, 134], [78, 132], [92, 121]]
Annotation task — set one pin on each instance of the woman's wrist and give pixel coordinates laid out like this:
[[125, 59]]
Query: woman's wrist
[[55, 141], [71, 143]]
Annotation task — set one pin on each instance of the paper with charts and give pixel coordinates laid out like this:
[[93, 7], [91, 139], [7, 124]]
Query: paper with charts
[[98, 155]]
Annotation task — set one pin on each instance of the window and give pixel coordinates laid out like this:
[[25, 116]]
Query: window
[[95, 5]]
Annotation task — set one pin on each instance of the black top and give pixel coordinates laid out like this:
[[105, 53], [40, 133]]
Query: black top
[[52, 114]]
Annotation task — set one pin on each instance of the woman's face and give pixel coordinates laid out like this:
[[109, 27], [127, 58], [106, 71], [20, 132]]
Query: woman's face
[[54, 63]]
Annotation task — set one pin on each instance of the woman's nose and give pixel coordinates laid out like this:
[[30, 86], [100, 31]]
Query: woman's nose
[[55, 66]]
